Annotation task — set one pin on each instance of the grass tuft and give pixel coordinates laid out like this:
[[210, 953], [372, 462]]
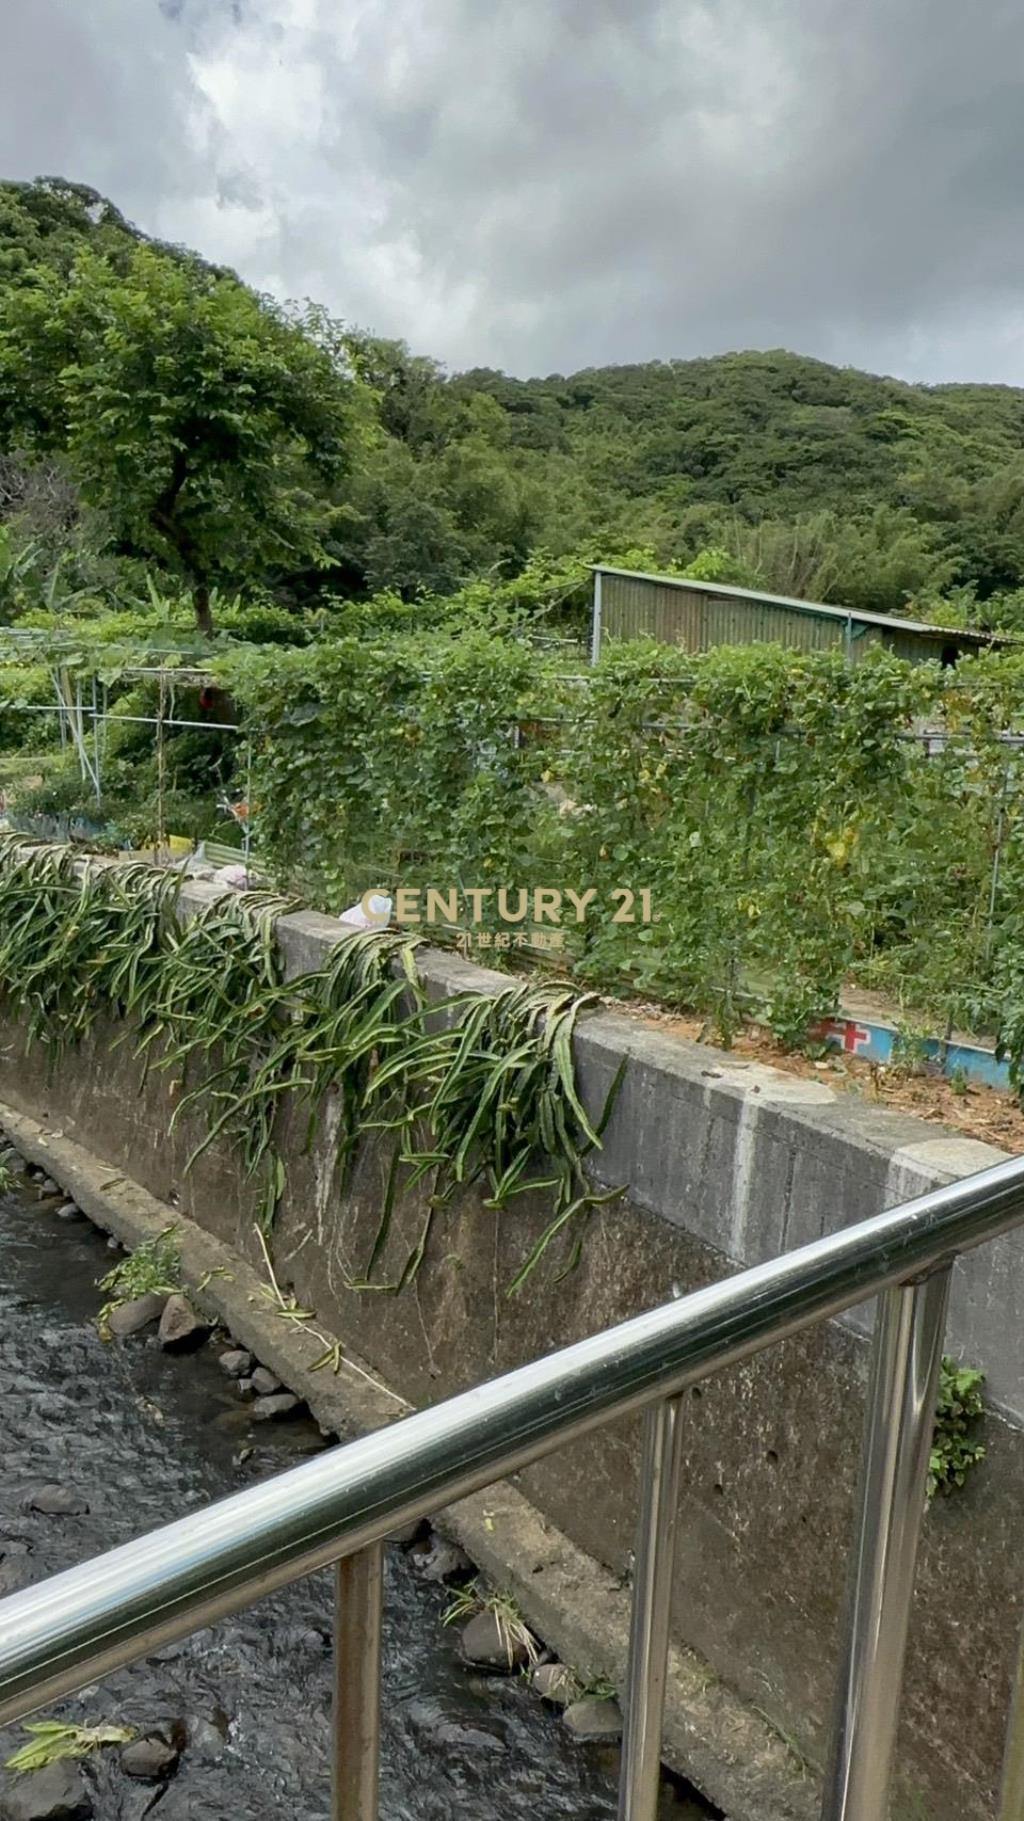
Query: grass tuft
[[53, 1741]]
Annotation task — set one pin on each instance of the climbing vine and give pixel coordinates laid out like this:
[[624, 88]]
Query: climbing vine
[[798, 822], [372, 757], [478, 1089]]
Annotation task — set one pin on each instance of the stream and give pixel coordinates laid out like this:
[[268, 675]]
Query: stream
[[140, 1437]]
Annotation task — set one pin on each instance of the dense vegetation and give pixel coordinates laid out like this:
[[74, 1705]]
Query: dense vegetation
[[346, 586], [792, 827], [154, 410], [479, 1097]]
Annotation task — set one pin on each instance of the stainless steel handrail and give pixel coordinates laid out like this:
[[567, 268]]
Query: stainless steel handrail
[[56, 1637]]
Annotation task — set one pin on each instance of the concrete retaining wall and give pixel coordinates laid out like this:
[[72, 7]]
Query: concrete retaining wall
[[727, 1164]]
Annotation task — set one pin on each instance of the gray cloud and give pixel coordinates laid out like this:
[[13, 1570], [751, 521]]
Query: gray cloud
[[101, 94], [565, 182]]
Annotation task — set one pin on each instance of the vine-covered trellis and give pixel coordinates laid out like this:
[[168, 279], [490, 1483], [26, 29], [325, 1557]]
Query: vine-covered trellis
[[91, 683], [799, 825]]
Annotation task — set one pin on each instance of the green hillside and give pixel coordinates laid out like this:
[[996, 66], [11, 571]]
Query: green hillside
[[118, 354]]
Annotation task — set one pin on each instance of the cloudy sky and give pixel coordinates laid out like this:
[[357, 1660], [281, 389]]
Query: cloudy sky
[[553, 183]]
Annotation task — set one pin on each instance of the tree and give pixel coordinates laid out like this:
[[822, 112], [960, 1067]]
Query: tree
[[213, 433], [413, 403], [876, 562], [415, 550], [48, 222]]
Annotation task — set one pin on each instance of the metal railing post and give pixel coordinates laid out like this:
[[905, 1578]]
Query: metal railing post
[[357, 1639], [906, 1357], [652, 1589], [1011, 1805]]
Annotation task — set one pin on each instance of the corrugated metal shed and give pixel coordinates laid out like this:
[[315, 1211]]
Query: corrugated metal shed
[[698, 615]]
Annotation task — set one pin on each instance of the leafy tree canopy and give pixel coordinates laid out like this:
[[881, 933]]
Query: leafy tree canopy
[[211, 431], [232, 444]]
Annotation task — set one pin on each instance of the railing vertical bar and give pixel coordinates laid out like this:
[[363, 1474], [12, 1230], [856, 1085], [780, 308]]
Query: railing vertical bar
[[357, 1640], [907, 1354], [1011, 1805], [652, 1589]]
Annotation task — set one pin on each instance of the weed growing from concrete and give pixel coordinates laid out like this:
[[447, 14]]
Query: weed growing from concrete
[[954, 1449]]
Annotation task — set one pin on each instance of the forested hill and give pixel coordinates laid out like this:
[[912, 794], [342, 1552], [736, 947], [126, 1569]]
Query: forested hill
[[708, 449], [248, 447], [758, 430]]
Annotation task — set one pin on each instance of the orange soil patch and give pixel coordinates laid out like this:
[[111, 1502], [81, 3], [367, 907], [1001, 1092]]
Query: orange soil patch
[[977, 1111]]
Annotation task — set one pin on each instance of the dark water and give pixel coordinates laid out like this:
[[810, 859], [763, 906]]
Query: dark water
[[145, 1437]]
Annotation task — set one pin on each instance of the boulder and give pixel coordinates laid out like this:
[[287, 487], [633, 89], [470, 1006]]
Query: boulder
[[47, 1187], [593, 1719], [555, 1682], [70, 1210], [266, 1409], [151, 1758], [58, 1501], [264, 1383], [442, 1561], [237, 1363], [57, 1793], [180, 1327], [131, 1317], [487, 1643]]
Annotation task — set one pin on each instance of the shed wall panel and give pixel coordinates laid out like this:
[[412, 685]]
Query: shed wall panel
[[635, 608]]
